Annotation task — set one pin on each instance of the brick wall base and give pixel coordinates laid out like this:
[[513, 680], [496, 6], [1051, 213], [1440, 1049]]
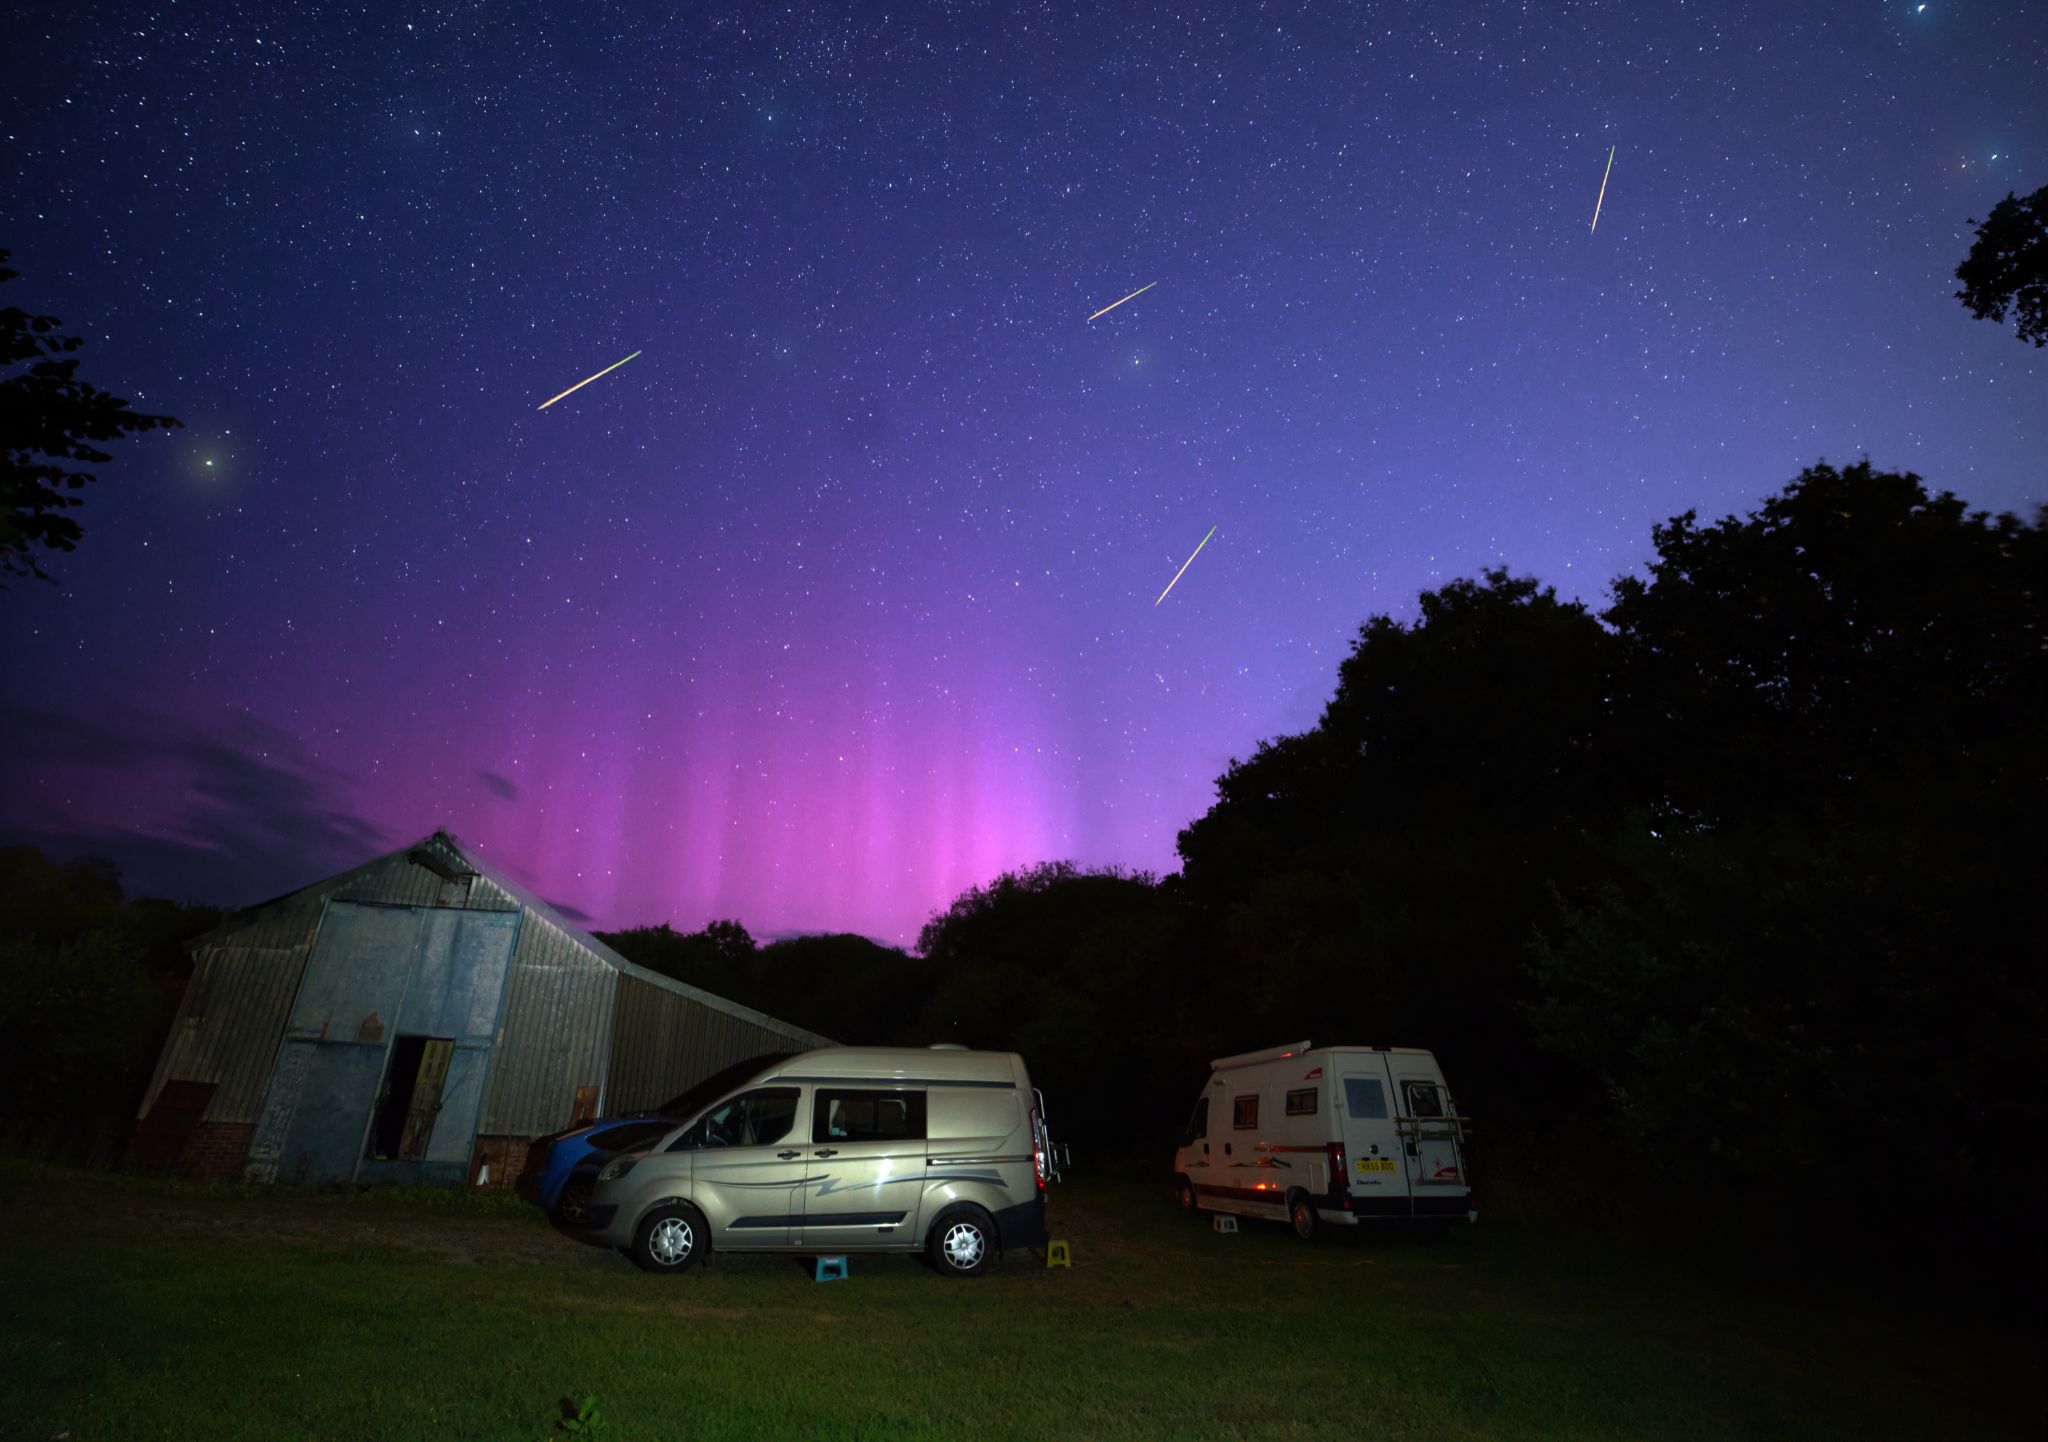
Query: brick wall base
[[217, 1150], [508, 1159]]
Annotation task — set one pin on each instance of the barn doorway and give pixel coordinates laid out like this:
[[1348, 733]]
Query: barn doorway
[[411, 1098]]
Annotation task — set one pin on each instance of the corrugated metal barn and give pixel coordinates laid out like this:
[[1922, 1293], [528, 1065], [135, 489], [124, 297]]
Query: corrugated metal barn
[[420, 1019]]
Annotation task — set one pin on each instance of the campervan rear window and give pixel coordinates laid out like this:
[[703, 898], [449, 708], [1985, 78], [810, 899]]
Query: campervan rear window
[[1424, 1100], [1365, 1097]]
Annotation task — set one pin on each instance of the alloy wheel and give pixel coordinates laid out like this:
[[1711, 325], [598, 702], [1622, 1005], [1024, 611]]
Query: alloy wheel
[[671, 1241], [963, 1245]]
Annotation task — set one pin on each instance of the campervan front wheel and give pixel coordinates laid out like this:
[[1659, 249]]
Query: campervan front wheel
[[1302, 1213], [669, 1240], [1184, 1195]]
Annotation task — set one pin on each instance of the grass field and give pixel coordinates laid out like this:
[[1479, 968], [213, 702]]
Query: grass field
[[138, 1309]]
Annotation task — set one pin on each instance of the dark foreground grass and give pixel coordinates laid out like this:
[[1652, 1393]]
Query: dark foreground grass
[[140, 1310]]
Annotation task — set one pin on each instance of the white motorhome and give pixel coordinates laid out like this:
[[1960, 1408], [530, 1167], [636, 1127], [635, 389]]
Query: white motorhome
[[1331, 1135]]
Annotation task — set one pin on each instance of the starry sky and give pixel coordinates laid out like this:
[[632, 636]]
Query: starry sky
[[839, 598]]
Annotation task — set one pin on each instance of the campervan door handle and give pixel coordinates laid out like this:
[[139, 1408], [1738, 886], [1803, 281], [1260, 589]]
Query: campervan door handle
[[1205, 1149], [825, 1152], [787, 1155], [1226, 1149]]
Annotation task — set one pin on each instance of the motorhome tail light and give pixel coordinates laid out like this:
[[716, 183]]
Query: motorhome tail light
[[1038, 1156], [1338, 1181]]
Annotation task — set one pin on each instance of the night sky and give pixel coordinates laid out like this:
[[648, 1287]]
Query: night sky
[[839, 598]]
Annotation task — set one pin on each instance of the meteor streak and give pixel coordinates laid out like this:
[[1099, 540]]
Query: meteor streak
[[1184, 564], [1603, 191], [1115, 303], [582, 383]]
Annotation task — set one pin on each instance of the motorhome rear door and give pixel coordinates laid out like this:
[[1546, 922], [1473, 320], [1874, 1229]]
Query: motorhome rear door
[[1372, 1142], [1436, 1171]]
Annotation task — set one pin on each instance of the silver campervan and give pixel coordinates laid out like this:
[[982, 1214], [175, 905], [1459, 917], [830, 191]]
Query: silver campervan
[[849, 1149]]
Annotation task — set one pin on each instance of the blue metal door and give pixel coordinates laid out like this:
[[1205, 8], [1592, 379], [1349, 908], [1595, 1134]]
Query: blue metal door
[[325, 1083], [456, 991]]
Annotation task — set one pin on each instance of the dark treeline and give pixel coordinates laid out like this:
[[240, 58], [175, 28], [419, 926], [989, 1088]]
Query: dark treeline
[[92, 980], [1729, 894], [1723, 900]]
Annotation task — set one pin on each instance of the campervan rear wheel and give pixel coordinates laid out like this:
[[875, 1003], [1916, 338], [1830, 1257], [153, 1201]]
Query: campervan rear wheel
[[961, 1241], [1184, 1196], [1302, 1213]]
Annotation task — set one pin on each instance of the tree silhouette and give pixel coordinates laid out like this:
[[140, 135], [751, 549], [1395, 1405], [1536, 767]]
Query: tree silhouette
[[719, 958], [49, 420], [1832, 882], [2008, 266], [1388, 863], [1855, 633]]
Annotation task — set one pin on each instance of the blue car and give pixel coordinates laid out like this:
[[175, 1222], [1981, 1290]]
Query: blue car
[[575, 1157]]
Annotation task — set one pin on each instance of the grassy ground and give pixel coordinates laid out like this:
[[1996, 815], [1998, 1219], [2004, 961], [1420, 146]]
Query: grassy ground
[[133, 1309]]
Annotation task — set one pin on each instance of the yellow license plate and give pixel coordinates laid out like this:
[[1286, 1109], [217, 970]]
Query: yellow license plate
[[1375, 1164]]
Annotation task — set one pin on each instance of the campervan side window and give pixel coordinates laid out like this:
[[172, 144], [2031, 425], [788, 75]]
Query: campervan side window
[[1365, 1097], [758, 1118], [1198, 1123], [1245, 1114], [1302, 1103], [867, 1116]]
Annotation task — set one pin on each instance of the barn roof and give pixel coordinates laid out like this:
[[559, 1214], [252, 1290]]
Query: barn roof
[[442, 854]]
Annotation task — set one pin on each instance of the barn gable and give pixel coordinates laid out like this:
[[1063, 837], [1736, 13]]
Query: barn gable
[[403, 1020]]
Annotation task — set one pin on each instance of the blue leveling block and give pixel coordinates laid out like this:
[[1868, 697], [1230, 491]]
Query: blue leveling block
[[831, 1269]]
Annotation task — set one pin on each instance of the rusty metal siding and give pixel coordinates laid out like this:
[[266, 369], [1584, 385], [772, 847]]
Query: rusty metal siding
[[566, 995], [246, 972], [665, 1040], [554, 1033], [228, 1027]]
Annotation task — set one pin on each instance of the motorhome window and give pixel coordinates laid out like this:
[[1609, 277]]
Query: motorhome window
[[1365, 1098], [1424, 1100], [1302, 1103], [1245, 1113], [1198, 1123], [867, 1116]]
